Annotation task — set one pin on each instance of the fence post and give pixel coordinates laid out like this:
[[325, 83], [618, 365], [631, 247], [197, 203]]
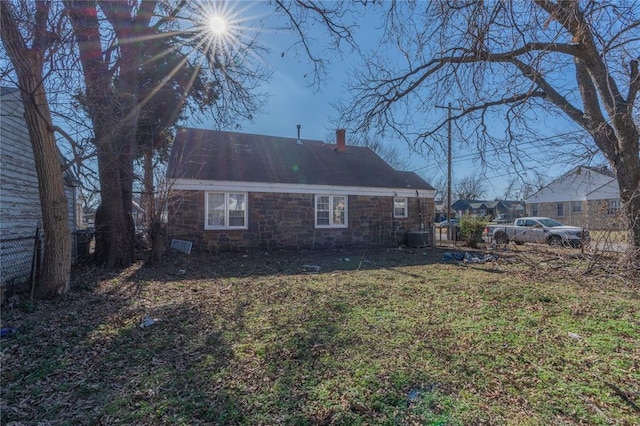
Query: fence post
[[33, 260]]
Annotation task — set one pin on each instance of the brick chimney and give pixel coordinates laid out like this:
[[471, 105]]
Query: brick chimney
[[341, 140]]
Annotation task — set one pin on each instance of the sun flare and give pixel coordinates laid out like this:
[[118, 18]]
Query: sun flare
[[218, 25]]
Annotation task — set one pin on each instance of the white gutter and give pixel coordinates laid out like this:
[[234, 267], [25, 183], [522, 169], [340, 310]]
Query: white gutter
[[289, 188]]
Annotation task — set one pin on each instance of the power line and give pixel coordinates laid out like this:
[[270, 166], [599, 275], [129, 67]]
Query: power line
[[521, 145]]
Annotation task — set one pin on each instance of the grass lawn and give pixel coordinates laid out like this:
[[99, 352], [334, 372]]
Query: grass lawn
[[388, 337]]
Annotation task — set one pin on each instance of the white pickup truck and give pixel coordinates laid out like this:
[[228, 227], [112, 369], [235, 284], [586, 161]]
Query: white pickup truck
[[537, 230]]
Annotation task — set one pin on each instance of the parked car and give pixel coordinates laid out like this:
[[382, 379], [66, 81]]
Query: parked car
[[503, 218], [537, 230], [445, 224]]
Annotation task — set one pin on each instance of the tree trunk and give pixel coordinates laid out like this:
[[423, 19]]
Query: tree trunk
[[56, 267], [632, 212], [112, 107], [627, 172], [115, 231], [148, 192], [153, 220], [157, 236], [28, 63], [620, 147]]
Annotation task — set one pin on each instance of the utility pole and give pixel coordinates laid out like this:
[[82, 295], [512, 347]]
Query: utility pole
[[449, 108]]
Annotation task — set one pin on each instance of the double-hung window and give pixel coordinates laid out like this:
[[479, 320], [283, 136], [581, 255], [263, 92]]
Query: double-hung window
[[400, 207], [613, 206], [560, 209], [331, 211], [225, 210], [576, 207]]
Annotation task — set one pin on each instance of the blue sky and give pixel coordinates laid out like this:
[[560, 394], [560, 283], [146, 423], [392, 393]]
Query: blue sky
[[292, 98], [292, 101]]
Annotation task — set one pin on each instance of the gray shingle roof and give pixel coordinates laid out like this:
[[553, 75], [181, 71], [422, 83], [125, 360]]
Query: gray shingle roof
[[229, 156]]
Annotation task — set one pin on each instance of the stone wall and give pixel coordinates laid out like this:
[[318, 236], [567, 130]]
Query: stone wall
[[279, 221]]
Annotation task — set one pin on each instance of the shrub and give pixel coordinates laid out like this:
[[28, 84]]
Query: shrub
[[471, 230]]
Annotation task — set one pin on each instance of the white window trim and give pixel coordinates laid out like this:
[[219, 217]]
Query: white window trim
[[405, 212], [208, 227], [557, 210], [613, 206], [534, 209], [331, 224]]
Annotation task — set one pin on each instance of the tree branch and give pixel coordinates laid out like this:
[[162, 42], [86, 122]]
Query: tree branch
[[171, 15], [567, 49], [483, 107], [299, 30], [610, 44], [340, 31], [572, 19], [634, 83], [41, 38]]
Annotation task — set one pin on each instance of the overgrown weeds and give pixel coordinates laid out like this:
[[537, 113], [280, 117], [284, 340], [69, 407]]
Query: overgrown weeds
[[362, 337]]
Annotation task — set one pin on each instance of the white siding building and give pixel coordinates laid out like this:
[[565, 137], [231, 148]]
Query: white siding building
[[20, 212], [584, 196]]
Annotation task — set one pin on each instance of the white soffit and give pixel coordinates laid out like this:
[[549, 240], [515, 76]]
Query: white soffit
[[287, 188]]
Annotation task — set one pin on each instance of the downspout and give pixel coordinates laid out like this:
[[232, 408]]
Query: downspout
[[419, 211], [394, 224]]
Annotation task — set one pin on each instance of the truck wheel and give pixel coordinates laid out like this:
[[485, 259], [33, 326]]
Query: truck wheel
[[502, 238], [555, 241]]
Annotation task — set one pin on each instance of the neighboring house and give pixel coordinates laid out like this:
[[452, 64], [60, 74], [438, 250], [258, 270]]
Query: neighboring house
[[584, 196], [137, 213], [493, 208], [20, 212], [440, 213], [233, 191]]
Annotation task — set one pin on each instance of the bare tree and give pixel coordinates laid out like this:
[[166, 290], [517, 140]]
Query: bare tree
[[512, 189], [440, 185], [388, 152], [113, 113], [513, 63], [529, 188], [21, 25], [111, 37], [470, 188]]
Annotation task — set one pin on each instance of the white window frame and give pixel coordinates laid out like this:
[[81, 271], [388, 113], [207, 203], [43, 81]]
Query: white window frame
[[332, 212], [534, 209], [613, 206], [576, 207], [405, 210], [226, 225], [558, 207]]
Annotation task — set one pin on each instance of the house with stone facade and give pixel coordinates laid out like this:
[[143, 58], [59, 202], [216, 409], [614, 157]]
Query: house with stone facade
[[236, 191], [584, 196]]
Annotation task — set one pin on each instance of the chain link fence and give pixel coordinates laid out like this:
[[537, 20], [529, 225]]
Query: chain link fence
[[19, 259]]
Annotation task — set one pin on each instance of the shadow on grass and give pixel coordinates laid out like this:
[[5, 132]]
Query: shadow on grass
[[173, 371], [177, 266], [225, 365], [294, 350], [105, 369]]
